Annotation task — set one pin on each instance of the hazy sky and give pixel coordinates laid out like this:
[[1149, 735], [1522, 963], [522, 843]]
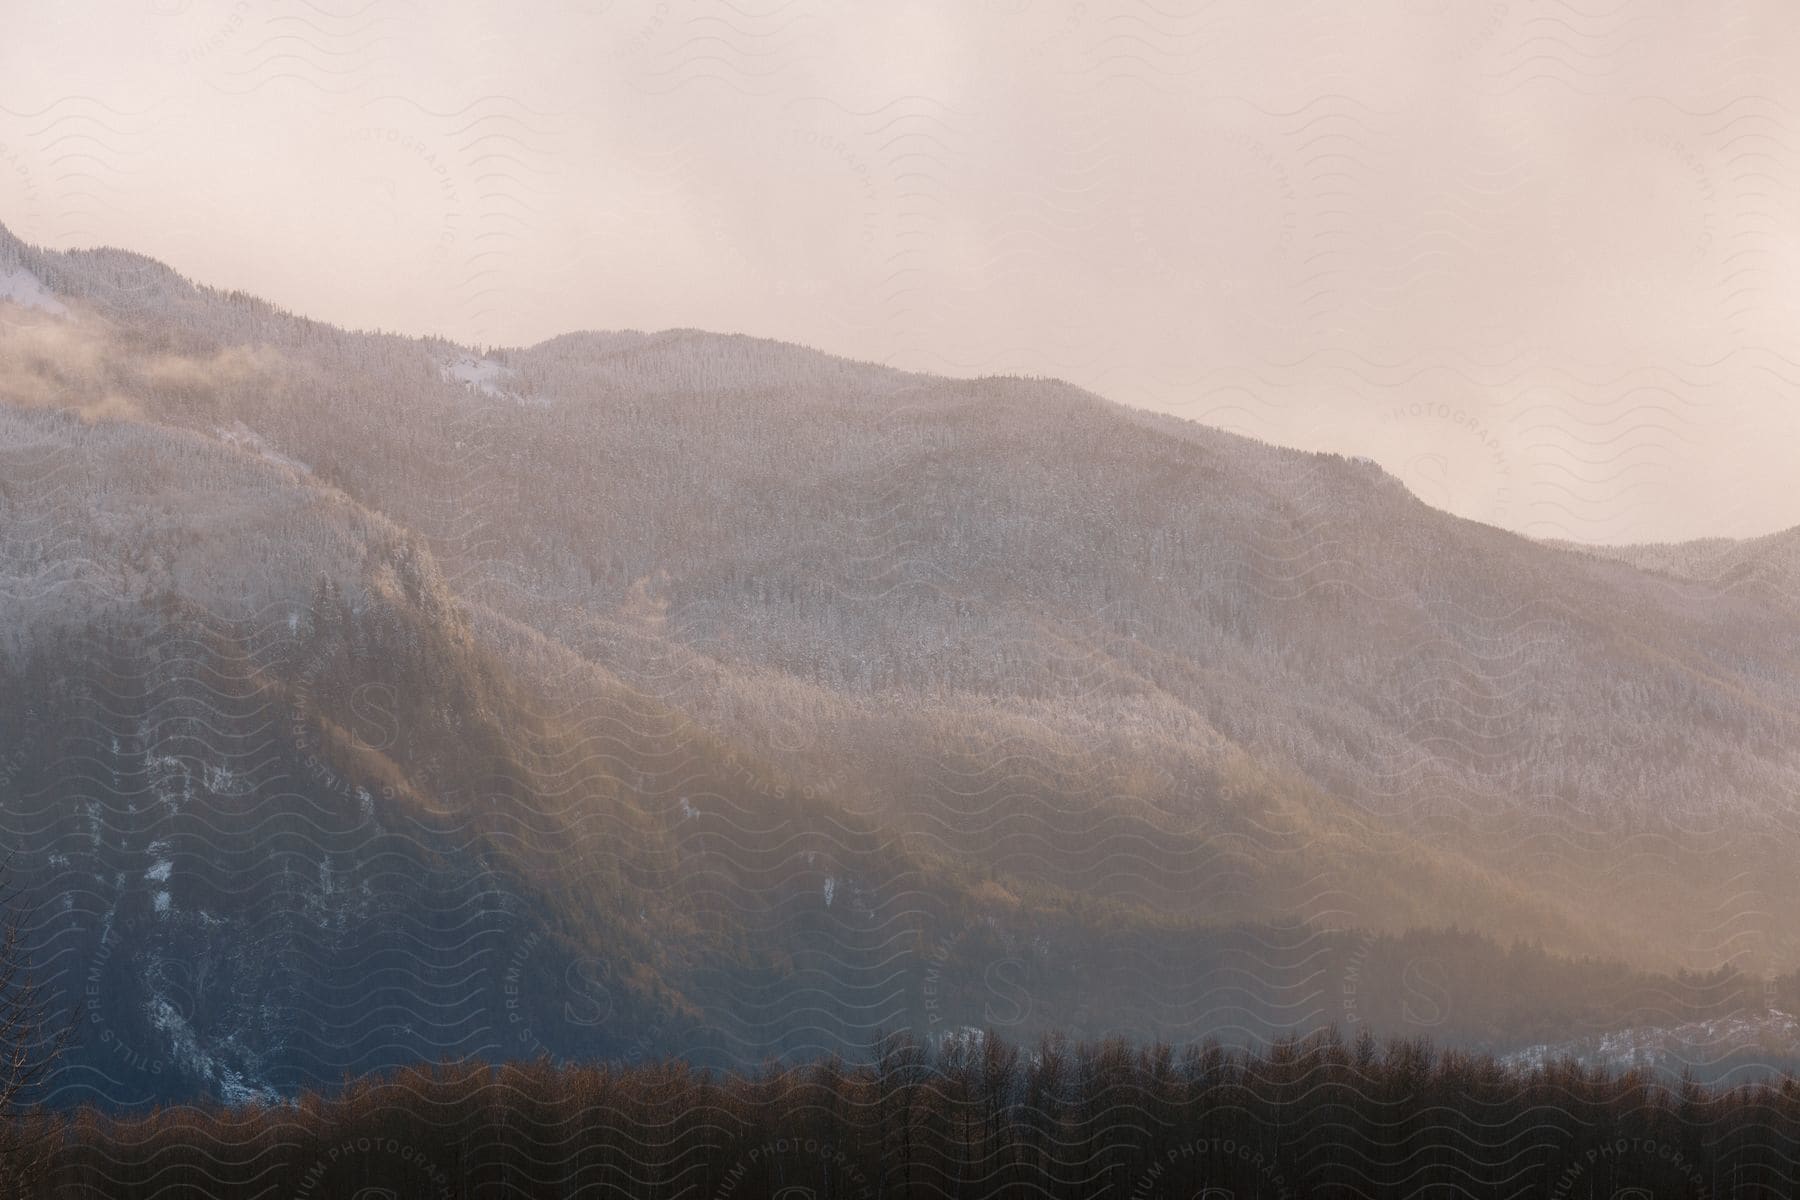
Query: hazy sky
[[1537, 259]]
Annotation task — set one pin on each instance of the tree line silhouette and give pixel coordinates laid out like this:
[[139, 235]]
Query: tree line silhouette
[[970, 1115]]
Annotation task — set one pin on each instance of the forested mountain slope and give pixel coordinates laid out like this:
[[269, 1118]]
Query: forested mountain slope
[[372, 697]]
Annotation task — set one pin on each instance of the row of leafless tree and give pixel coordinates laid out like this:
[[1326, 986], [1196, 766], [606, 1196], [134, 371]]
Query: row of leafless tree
[[970, 1116], [33, 1036]]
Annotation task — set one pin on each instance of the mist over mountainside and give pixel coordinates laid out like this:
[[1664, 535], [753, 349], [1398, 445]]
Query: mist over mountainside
[[371, 698]]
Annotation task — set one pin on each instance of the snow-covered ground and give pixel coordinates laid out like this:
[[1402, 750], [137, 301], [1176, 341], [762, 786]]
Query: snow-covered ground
[[244, 438], [1774, 1035], [485, 375]]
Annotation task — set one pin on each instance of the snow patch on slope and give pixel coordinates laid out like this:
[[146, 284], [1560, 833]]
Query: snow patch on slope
[[232, 1084], [1773, 1034], [485, 375], [244, 438]]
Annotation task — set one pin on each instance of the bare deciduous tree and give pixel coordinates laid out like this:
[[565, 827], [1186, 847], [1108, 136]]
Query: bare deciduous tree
[[33, 1037]]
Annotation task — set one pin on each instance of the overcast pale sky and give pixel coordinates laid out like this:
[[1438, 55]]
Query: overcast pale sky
[[1536, 258]]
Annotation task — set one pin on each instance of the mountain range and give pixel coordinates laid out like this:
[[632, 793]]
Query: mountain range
[[367, 698]]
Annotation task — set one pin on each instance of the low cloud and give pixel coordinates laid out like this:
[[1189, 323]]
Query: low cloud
[[104, 374]]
